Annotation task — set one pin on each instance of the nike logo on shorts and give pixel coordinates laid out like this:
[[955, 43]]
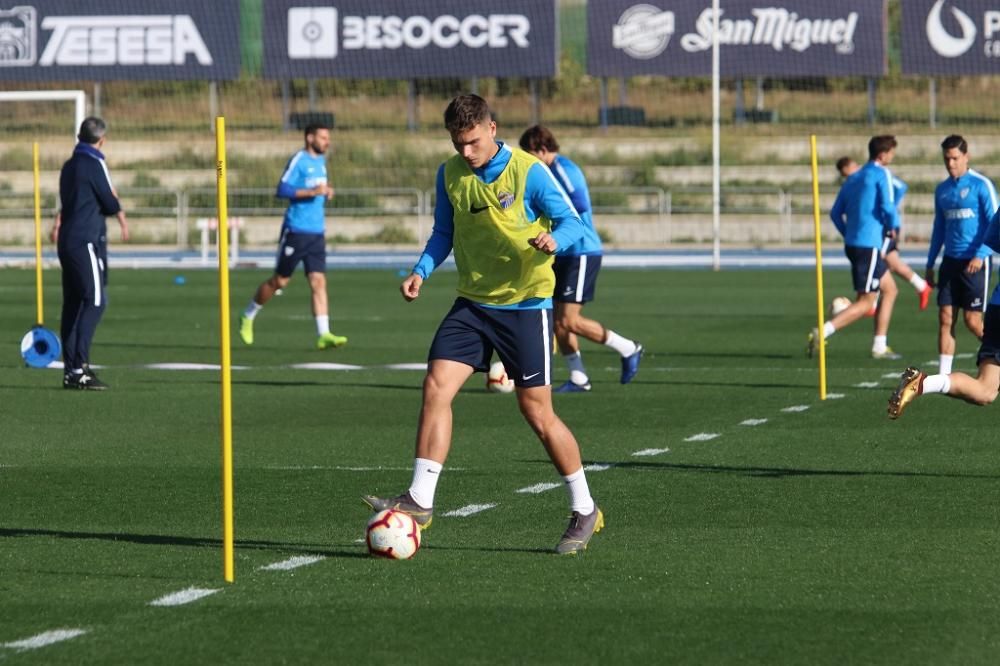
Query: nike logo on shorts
[[477, 209], [525, 378]]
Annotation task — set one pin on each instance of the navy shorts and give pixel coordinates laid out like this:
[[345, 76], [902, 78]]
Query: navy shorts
[[989, 350], [310, 249], [889, 245], [867, 267], [522, 339], [960, 289], [576, 278]]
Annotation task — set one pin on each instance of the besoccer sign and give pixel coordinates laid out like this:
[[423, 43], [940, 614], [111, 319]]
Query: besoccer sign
[[60, 40], [399, 39], [790, 38], [951, 37]]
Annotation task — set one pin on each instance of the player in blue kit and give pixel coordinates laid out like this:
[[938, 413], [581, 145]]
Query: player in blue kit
[[504, 216], [865, 214], [890, 248], [979, 390], [964, 204], [576, 268], [303, 236]]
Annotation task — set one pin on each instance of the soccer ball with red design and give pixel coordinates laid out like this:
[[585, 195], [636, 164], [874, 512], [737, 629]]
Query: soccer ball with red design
[[393, 534], [497, 380], [839, 304]]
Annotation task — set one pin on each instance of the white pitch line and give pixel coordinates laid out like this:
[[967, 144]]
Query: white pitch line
[[182, 597], [44, 638], [866, 385], [835, 396], [649, 452], [467, 511], [796, 408], [701, 437], [538, 488], [891, 375], [292, 563], [405, 366], [753, 422], [346, 468], [965, 355], [597, 467], [325, 366]]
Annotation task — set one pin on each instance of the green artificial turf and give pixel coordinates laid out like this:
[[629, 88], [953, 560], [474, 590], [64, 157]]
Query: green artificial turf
[[824, 536]]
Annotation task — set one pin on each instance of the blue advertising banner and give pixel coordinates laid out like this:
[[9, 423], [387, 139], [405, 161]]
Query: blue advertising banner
[[107, 40], [951, 37], [783, 39], [380, 39]]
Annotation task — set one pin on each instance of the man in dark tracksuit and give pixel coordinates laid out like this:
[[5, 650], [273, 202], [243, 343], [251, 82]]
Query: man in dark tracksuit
[[87, 197]]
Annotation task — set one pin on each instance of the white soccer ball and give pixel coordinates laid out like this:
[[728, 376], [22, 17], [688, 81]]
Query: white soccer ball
[[839, 304], [393, 534], [497, 380]]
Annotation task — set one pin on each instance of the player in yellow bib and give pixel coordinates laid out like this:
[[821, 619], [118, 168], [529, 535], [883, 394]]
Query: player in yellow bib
[[504, 216]]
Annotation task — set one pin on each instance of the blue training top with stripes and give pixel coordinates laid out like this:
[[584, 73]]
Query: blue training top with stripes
[[304, 172]]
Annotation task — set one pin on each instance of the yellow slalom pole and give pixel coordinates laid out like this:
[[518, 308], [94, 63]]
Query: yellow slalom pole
[[819, 269], [40, 311], [227, 388]]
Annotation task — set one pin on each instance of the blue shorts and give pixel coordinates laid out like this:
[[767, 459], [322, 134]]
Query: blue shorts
[[989, 350], [522, 339], [889, 245], [867, 267], [576, 278], [960, 289], [310, 249]]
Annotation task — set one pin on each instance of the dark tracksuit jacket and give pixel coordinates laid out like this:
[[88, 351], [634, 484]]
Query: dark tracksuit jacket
[[87, 199]]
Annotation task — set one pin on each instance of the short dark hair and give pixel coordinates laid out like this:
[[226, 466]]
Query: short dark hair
[[880, 144], [465, 112], [312, 128], [843, 162], [92, 129], [954, 141], [537, 138]]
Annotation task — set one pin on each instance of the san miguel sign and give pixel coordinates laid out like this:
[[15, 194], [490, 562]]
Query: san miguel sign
[[951, 37], [776, 39]]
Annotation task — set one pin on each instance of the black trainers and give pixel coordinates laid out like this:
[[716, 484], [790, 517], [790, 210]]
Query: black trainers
[[581, 528], [402, 503], [84, 381]]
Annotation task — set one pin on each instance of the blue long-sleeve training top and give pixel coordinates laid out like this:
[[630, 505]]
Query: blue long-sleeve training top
[[304, 171], [865, 208], [87, 198], [963, 209], [571, 178], [542, 197]]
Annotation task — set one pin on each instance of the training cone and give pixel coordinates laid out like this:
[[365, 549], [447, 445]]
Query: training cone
[[39, 347]]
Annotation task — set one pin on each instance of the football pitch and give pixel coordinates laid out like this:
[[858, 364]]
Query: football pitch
[[748, 522]]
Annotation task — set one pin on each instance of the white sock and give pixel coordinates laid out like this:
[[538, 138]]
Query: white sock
[[936, 384], [579, 493], [828, 329], [945, 361], [623, 346], [918, 282], [425, 478], [879, 344], [322, 324], [577, 373], [252, 310]]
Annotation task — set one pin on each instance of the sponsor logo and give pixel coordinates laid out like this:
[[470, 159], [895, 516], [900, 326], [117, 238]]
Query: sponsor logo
[[18, 36], [943, 41], [775, 27], [875, 284], [313, 32], [123, 40], [525, 378], [977, 303], [289, 250], [506, 199], [477, 209], [959, 214], [643, 31]]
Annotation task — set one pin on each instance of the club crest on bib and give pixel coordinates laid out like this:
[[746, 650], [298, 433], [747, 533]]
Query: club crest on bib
[[506, 199], [964, 192]]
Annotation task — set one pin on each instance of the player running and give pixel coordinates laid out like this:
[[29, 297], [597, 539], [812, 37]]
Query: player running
[[964, 204], [576, 268], [864, 214], [303, 240], [504, 215]]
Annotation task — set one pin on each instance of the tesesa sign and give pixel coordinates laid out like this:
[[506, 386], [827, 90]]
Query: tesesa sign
[[59, 40]]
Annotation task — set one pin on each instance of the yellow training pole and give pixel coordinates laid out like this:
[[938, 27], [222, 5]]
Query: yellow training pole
[[819, 269], [40, 312], [227, 388]]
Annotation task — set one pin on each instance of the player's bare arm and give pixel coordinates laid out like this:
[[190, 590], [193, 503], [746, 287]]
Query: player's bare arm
[[123, 225]]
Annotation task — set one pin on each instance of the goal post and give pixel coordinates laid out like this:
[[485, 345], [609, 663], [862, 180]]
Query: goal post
[[78, 97]]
